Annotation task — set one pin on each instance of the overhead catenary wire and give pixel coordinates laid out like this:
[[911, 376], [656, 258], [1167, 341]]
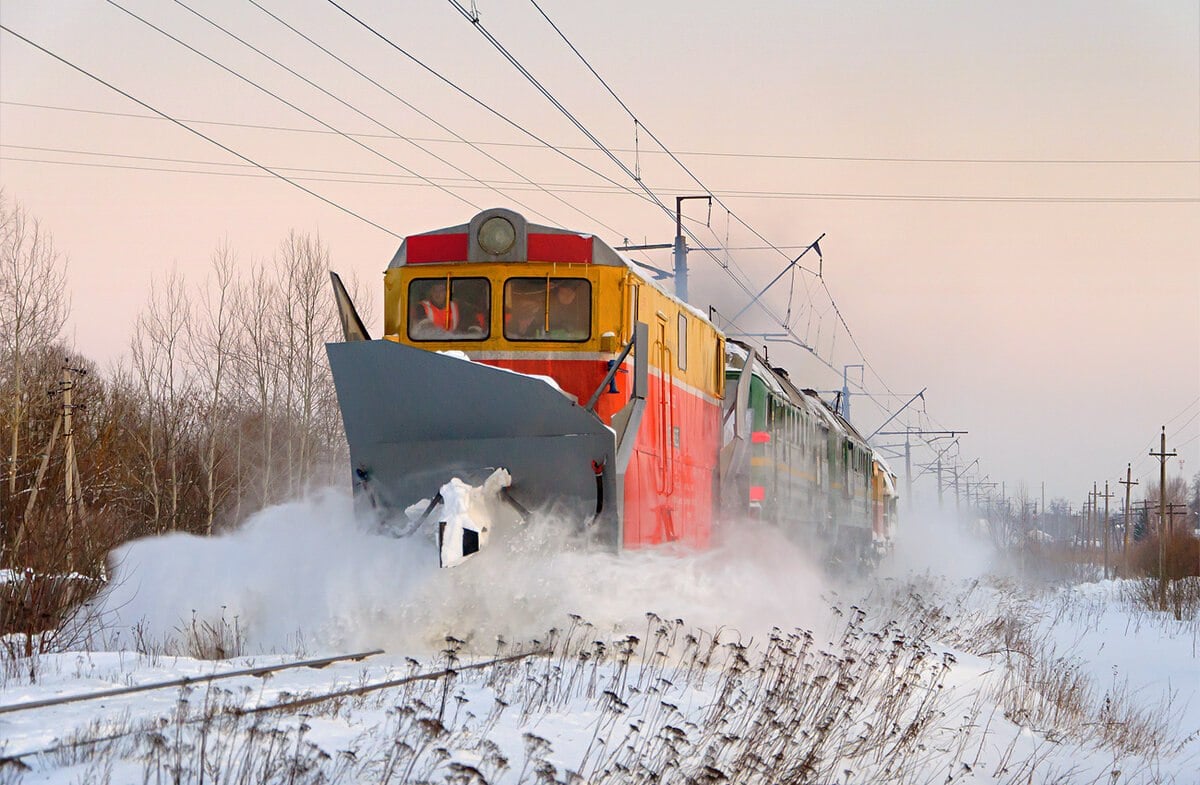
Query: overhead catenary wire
[[365, 115], [475, 21], [286, 102], [203, 136], [699, 153], [729, 212], [478, 101], [579, 125], [524, 185], [458, 137]]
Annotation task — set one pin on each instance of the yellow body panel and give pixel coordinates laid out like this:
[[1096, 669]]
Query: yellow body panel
[[614, 290]]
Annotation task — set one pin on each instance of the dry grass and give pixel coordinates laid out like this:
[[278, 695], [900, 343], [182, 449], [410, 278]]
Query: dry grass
[[870, 699]]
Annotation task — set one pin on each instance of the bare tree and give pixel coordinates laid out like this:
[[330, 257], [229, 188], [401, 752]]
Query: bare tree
[[33, 310], [158, 362], [259, 372], [210, 349], [307, 320]]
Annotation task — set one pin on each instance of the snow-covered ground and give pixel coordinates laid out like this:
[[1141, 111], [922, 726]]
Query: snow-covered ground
[[740, 664]]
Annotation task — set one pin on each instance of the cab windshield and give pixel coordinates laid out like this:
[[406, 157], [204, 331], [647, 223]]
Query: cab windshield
[[547, 309], [449, 309]]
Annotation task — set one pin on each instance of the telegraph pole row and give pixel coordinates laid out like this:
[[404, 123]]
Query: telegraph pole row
[[907, 433]]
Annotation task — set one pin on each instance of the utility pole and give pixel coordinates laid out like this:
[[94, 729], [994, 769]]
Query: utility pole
[[1091, 527], [907, 433], [681, 249], [939, 480], [1173, 509], [70, 469], [958, 473], [1107, 496], [1163, 531], [846, 388], [1128, 482]]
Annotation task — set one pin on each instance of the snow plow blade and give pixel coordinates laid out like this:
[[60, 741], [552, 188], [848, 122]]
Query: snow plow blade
[[417, 419]]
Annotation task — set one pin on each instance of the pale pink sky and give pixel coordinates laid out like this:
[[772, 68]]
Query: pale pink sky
[[1057, 319]]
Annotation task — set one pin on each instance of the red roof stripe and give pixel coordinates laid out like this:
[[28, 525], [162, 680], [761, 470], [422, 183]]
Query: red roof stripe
[[570, 248], [429, 248]]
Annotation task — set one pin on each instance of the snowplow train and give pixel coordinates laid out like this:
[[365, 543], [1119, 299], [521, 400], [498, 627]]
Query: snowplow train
[[527, 367]]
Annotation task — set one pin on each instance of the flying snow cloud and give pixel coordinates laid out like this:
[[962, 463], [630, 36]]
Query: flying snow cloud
[[307, 575]]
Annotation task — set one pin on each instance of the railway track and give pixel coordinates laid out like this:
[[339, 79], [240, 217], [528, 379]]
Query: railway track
[[186, 681], [16, 758]]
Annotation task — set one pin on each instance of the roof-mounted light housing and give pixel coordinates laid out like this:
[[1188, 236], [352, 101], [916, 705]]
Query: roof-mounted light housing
[[497, 235]]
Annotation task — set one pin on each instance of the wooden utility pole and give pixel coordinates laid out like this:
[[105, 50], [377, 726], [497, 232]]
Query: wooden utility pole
[[70, 470], [1128, 482], [1173, 509], [1107, 496], [1093, 500], [1163, 530]]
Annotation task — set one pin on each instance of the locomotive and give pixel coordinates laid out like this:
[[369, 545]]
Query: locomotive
[[528, 367]]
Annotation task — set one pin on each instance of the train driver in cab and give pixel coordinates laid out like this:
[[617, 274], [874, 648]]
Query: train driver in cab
[[569, 310], [525, 318], [433, 314]]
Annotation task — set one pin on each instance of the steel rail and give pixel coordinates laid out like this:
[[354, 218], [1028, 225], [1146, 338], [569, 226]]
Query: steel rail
[[15, 757], [187, 680], [383, 685]]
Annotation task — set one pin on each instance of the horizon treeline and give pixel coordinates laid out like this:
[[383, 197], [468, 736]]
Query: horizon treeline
[[221, 405]]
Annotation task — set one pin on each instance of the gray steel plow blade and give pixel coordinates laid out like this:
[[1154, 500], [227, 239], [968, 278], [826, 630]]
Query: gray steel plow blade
[[415, 419]]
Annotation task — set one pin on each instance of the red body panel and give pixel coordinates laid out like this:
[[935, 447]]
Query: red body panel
[[669, 485], [670, 480]]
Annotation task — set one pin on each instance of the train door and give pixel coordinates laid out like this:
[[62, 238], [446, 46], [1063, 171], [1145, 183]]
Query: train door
[[666, 435]]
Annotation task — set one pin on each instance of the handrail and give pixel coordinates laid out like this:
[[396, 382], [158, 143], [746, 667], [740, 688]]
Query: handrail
[[612, 372]]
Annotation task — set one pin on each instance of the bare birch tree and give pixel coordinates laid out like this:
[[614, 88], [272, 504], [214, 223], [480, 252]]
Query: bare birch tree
[[210, 348], [307, 320], [33, 305], [33, 311], [158, 360], [257, 353]]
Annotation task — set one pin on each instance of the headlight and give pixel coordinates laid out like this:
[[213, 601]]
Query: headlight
[[497, 235]]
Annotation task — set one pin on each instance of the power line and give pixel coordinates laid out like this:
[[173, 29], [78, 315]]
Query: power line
[[479, 102], [184, 126], [549, 96], [476, 143], [1144, 457], [286, 102], [551, 188], [696, 179], [458, 137], [350, 106]]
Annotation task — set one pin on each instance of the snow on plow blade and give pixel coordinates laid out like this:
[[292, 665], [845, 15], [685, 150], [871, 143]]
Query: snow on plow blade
[[417, 419], [468, 514]]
